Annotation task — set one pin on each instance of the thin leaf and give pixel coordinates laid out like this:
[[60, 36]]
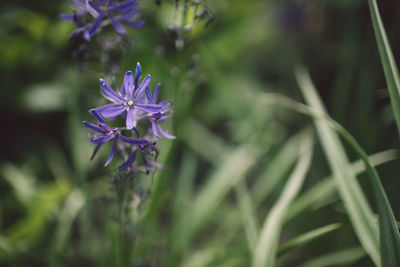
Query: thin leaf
[[338, 258], [231, 171], [266, 249], [388, 62], [323, 192], [308, 237], [247, 212], [389, 234]]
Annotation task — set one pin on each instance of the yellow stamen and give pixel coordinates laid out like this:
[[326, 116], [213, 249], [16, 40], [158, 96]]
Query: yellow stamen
[[130, 103]]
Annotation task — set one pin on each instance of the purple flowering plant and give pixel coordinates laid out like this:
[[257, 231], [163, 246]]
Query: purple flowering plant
[[133, 102], [90, 16]]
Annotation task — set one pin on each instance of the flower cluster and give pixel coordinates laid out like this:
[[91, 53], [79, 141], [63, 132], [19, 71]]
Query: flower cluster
[[134, 102], [90, 16]]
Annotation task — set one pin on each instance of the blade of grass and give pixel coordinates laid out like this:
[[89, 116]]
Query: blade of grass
[[231, 171], [247, 212], [322, 193], [389, 235], [278, 167], [217, 157], [338, 258], [266, 250], [357, 207], [308, 237], [388, 62]]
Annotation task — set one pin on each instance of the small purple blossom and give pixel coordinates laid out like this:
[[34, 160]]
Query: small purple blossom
[[103, 12], [134, 101], [105, 133], [130, 99], [162, 115]]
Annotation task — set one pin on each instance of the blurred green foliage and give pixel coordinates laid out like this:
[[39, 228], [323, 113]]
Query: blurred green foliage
[[233, 155]]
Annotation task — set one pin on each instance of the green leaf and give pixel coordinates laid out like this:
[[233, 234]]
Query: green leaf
[[338, 258], [323, 192], [356, 204], [247, 212], [266, 250], [308, 237], [389, 65]]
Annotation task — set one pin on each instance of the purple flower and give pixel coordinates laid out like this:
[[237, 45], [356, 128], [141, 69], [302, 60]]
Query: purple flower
[[104, 12], [157, 117], [147, 150], [105, 133], [130, 99]]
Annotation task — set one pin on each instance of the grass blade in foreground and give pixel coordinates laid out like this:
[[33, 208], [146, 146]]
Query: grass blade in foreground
[[323, 192], [389, 253], [308, 237], [389, 65], [266, 250], [342, 257]]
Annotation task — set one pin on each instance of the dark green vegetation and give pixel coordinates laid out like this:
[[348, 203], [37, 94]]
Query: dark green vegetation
[[249, 180]]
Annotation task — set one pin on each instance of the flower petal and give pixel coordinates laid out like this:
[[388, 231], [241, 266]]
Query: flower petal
[[138, 72], [154, 128], [95, 151], [97, 8], [142, 86], [128, 84], [95, 26], [101, 139], [124, 5], [97, 115], [164, 133], [156, 92], [65, 16], [122, 90], [117, 27], [94, 127], [130, 119], [128, 162], [110, 157], [113, 111], [150, 108], [134, 141], [114, 96], [149, 95]]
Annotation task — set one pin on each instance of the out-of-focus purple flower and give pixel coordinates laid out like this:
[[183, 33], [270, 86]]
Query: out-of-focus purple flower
[[104, 12], [157, 117], [149, 154], [105, 133], [129, 99]]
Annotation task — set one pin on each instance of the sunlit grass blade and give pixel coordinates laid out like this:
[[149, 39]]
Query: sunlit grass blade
[[231, 171], [308, 237], [322, 193], [266, 250], [338, 258], [248, 214], [73, 205], [389, 238], [358, 209], [277, 168], [388, 62]]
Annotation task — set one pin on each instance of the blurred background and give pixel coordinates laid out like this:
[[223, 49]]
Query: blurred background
[[232, 155]]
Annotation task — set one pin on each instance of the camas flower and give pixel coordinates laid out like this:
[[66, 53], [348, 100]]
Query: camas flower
[[130, 99], [105, 133], [104, 12], [147, 150], [156, 118]]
